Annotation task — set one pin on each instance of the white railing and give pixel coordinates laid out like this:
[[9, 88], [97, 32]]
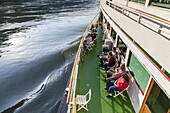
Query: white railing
[[155, 23], [73, 80]]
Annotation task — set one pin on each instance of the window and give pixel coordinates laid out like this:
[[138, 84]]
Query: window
[[166, 72], [139, 72], [157, 101], [161, 3], [139, 1], [113, 34], [108, 26], [122, 47]]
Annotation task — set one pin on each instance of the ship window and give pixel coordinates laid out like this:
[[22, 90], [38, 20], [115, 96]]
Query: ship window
[[108, 26], [157, 101], [113, 34], [167, 74], [139, 72], [122, 47], [161, 3], [139, 1], [105, 21]]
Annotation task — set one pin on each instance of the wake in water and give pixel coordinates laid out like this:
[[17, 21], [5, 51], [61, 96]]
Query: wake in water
[[38, 44], [54, 81]]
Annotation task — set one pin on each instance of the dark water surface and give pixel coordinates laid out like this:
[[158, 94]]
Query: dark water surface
[[38, 44]]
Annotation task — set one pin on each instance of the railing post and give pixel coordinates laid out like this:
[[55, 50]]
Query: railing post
[[147, 3], [74, 105], [123, 11], [117, 40], [127, 3], [139, 20], [163, 69], [128, 56], [160, 29]]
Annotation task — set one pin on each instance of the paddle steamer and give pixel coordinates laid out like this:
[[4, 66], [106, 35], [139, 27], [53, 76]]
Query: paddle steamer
[[141, 28]]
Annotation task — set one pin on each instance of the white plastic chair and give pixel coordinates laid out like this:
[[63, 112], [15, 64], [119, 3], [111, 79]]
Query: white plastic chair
[[117, 93], [82, 102], [89, 46], [92, 44]]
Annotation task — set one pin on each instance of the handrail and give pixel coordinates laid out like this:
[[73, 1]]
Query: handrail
[[142, 13], [74, 105], [75, 62]]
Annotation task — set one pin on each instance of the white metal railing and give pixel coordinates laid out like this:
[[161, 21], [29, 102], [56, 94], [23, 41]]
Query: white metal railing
[[73, 80], [157, 24]]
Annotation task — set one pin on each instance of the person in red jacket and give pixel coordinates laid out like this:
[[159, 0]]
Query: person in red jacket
[[119, 85]]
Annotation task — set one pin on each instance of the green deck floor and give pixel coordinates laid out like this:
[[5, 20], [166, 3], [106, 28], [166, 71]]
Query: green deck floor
[[90, 76]]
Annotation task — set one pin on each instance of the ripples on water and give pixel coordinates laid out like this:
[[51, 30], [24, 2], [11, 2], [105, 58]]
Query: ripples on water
[[38, 43]]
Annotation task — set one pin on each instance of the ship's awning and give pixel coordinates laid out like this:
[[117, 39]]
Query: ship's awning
[[154, 44]]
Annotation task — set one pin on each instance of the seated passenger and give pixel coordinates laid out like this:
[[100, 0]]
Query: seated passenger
[[101, 25], [94, 33], [95, 29], [114, 52], [88, 39], [119, 59], [105, 58], [92, 26], [111, 61], [114, 76], [86, 42], [123, 52], [118, 71], [119, 85], [96, 25], [105, 49]]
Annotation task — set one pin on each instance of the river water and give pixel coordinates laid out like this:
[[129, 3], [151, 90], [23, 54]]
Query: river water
[[38, 44]]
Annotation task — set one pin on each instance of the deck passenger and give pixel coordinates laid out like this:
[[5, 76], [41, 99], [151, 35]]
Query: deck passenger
[[123, 51], [119, 85], [114, 76], [101, 26], [119, 59], [87, 41], [105, 58], [94, 33], [115, 53], [110, 62], [92, 26], [96, 25]]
